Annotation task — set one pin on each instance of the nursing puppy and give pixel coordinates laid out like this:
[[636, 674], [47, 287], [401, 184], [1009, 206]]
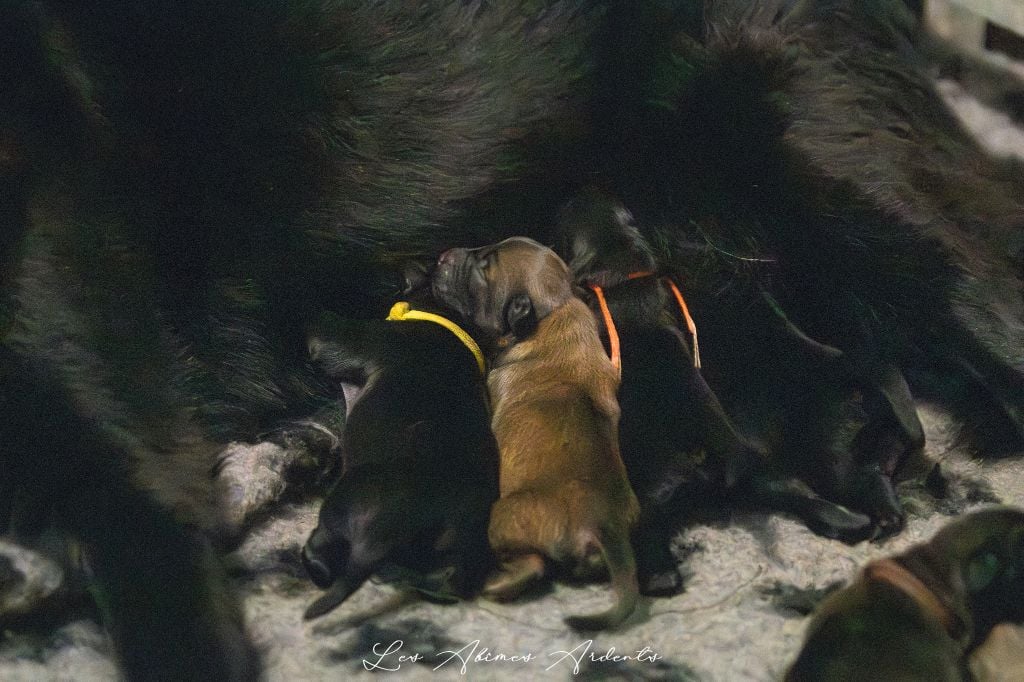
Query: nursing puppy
[[564, 492], [420, 465], [918, 615], [678, 445]]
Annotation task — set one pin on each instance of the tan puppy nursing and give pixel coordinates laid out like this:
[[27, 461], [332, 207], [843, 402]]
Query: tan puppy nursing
[[565, 497]]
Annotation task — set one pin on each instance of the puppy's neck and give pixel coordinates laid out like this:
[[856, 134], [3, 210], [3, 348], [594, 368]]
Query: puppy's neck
[[898, 576]]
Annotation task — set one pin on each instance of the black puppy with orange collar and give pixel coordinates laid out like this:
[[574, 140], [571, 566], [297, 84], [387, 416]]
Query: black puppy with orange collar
[[420, 464], [678, 444]]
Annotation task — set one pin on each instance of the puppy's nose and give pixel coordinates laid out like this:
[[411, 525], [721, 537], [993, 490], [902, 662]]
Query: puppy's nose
[[318, 571]]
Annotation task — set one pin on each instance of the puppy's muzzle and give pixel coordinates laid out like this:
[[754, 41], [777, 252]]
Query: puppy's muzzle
[[449, 264], [450, 281]]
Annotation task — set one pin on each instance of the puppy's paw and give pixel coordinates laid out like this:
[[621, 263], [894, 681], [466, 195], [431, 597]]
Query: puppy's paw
[[29, 581], [839, 523], [515, 577], [250, 478]]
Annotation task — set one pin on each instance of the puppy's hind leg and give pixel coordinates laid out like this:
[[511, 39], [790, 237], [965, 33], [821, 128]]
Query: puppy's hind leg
[[340, 590], [618, 556], [515, 577], [821, 516], [656, 566]]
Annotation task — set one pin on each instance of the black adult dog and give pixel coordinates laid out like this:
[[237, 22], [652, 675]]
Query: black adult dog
[[420, 464], [184, 188], [917, 615], [679, 446], [831, 219], [178, 206]]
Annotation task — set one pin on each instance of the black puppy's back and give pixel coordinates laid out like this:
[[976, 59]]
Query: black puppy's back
[[674, 437], [420, 463]]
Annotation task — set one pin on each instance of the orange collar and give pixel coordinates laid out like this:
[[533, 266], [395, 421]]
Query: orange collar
[[613, 334], [691, 326], [609, 324], [892, 573]]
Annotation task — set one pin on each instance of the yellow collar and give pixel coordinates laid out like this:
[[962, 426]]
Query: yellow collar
[[401, 311]]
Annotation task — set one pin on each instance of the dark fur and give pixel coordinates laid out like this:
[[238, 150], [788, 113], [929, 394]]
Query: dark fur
[[872, 630], [916, 231], [841, 238], [185, 187], [420, 465], [565, 496], [679, 447]]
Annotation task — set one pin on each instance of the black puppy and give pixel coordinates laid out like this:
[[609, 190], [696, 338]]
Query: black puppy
[[677, 442], [848, 429], [918, 615], [420, 465]]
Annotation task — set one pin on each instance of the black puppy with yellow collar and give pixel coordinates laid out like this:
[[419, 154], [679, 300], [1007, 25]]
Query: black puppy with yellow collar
[[420, 465]]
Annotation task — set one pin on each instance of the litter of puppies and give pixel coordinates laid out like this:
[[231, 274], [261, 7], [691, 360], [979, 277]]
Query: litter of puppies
[[772, 248]]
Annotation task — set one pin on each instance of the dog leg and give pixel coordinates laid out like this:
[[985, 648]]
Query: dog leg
[[514, 577], [874, 492], [618, 557], [152, 576], [339, 591], [657, 572], [822, 517]]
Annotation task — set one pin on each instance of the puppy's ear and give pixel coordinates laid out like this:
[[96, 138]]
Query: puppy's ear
[[520, 316], [581, 254]]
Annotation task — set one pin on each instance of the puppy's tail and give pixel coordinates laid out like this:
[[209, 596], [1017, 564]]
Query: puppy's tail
[[618, 556]]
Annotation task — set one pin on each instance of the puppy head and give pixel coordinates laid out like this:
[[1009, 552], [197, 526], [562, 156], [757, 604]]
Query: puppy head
[[986, 553], [597, 235], [505, 289]]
